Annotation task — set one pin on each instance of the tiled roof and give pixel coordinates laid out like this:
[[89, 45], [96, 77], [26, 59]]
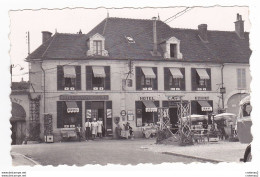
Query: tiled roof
[[222, 46]]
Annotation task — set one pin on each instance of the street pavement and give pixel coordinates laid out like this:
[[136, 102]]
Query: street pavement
[[221, 151], [125, 152], [96, 152]]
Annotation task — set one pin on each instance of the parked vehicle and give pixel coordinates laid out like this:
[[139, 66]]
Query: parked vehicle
[[244, 124]]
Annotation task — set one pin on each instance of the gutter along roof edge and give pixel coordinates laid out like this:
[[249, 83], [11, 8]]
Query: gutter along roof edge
[[136, 59]]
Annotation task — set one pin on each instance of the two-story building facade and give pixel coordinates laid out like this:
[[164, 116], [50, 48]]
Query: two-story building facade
[[124, 69]]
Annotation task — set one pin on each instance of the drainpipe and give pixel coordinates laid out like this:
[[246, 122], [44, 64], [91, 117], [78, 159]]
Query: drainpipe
[[222, 85], [43, 88]]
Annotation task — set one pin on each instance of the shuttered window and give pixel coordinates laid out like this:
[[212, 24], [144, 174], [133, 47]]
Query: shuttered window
[[172, 83], [68, 83], [143, 83], [241, 78], [100, 82], [198, 82]]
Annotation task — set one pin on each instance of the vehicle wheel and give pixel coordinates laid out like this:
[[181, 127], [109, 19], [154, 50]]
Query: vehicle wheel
[[248, 157]]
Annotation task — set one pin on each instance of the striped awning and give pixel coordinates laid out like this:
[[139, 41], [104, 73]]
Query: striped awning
[[99, 71], [148, 73], [176, 73], [72, 107], [69, 71], [203, 73], [149, 106], [205, 106]]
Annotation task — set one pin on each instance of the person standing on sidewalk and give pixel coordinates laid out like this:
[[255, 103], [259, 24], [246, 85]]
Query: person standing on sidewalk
[[99, 128], [87, 129], [94, 126], [78, 132]]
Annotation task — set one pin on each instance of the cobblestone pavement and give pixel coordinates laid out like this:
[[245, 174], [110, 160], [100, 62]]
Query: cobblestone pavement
[[97, 152]]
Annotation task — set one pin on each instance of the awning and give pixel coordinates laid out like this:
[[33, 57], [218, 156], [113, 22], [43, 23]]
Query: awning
[[18, 112], [69, 71], [205, 106], [72, 107], [148, 73], [99, 71], [203, 73], [176, 73], [149, 106]]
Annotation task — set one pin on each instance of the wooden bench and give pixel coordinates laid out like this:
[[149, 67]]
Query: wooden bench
[[68, 133]]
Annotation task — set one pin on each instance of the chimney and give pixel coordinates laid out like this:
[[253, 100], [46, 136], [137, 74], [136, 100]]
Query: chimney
[[202, 28], [239, 26], [45, 36], [155, 51]]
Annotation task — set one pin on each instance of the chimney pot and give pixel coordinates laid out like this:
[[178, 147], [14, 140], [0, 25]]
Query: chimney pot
[[202, 28], [45, 36]]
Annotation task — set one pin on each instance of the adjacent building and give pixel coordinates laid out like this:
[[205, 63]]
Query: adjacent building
[[124, 69]]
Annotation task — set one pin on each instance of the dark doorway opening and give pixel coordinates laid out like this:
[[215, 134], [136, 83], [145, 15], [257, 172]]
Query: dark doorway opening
[[173, 118]]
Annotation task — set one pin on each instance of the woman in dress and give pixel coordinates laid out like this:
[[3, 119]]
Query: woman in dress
[[94, 126], [99, 128]]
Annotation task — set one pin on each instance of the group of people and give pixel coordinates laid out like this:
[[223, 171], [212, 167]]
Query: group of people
[[92, 129]]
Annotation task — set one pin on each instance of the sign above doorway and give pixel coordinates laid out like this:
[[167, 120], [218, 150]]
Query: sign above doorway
[[84, 97]]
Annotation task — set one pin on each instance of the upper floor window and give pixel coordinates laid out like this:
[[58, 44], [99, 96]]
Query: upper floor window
[[97, 47], [174, 79], [146, 78], [241, 78], [68, 77], [97, 77], [201, 79]]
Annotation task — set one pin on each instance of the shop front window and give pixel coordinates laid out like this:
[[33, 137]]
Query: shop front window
[[146, 113], [69, 114]]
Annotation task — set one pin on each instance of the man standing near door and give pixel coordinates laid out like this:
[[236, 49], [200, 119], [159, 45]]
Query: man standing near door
[[87, 129]]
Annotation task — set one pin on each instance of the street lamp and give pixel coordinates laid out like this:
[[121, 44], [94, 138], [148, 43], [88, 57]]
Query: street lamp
[[14, 66]]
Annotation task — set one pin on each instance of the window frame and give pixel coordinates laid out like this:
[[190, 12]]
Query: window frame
[[173, 50], [241, 78], [97, 50], [142, 81], [196, 80]]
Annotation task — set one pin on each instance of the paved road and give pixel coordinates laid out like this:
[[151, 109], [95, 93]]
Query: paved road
[[96, 152]]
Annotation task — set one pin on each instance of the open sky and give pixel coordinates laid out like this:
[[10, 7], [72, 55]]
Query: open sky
[[72, 20]]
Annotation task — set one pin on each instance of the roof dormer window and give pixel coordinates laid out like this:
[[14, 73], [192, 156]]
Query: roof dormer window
[[171, 48], [96, 45]]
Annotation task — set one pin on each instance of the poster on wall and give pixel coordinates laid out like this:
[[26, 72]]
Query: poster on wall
[[130, 116], [139, 122]]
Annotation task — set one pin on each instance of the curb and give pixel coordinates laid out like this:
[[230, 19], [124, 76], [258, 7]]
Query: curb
[[192, 157], [27, 158]]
